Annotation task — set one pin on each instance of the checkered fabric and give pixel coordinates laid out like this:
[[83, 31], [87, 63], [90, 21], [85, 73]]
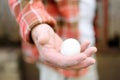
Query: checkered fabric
[[62, 15]]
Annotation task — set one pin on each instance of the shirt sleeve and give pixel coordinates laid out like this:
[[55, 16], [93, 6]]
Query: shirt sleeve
[[28, 14]]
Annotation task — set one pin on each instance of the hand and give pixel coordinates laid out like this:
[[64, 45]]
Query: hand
[[48, 44]]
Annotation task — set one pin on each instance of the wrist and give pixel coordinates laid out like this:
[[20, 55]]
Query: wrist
[[41, 33]]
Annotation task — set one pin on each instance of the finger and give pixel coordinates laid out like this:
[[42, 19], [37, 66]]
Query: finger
[[90, 51], [84, 45], [69, 61], [84, 64]]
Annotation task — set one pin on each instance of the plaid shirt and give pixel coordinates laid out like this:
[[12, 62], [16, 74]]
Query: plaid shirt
[[62, 15]]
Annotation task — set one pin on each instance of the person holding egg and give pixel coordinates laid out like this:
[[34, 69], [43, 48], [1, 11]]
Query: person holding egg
[[43, 32]]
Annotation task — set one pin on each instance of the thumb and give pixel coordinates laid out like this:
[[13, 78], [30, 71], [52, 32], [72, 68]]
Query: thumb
[[41, 33]]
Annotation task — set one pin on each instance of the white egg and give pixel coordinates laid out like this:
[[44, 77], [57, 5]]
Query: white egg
[[70, 47]]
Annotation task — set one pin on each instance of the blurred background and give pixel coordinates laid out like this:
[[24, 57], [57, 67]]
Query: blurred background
[[107, 27]]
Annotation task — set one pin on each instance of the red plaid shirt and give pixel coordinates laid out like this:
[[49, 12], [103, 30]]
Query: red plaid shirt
[[30, 13]]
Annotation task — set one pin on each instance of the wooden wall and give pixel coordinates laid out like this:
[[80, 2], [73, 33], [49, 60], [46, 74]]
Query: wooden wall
[[9, 30]]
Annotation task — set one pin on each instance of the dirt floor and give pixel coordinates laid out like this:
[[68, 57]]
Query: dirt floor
[[108, 64]]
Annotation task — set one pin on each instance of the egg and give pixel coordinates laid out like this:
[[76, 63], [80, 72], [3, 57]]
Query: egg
[[70, 47]]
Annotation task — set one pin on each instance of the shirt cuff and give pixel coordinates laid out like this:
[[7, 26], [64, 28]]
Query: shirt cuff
[[32, 15]]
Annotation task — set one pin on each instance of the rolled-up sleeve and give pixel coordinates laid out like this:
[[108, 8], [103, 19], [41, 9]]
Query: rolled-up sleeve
[[28, 14]]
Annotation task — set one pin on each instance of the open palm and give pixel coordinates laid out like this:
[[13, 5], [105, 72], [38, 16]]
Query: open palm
[[48, 44]]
